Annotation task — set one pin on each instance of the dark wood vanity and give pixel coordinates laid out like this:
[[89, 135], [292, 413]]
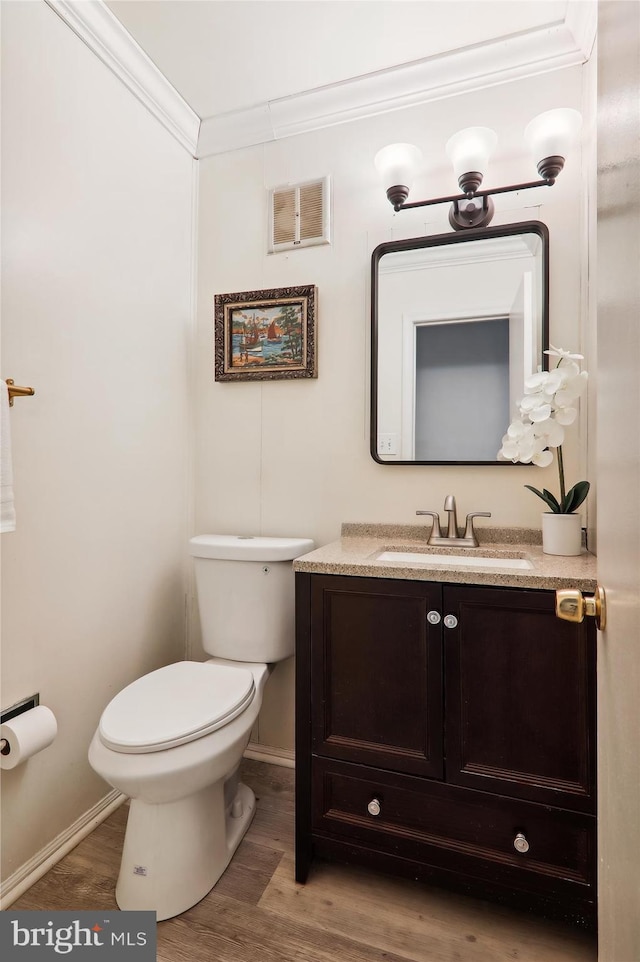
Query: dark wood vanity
[[446, 732]]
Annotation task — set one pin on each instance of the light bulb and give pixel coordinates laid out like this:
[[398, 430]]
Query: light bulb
[[469, 151], [397, 165], [550, 136]]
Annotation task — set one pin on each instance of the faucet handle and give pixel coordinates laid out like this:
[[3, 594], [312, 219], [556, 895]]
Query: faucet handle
[[435, 530], [469, 532]]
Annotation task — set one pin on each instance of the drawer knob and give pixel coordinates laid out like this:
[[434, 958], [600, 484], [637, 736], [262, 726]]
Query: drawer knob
[[434, 617], [450, 621], [374, 807], [520, 843]]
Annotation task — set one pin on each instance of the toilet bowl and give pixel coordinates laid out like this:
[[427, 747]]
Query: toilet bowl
[[173, 740], [175, 850]]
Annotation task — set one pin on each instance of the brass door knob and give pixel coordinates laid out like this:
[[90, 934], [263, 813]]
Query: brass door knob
[[572, 605]]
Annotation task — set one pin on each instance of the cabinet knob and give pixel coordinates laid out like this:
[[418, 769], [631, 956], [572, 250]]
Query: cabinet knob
[[520, 843], [434, 617], [374, 807], [450, 621]]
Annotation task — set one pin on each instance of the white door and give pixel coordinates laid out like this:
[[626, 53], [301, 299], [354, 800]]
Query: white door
[[524, 344], [618, 477]]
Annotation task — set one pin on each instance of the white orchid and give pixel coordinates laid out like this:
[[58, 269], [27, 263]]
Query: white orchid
[[523, 443], [559, 352], [549, 405]]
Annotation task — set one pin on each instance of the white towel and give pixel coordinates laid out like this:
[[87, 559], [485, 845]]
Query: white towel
[[7, 509]]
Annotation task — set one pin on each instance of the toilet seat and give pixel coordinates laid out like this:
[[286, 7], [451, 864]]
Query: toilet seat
[[175, 705]]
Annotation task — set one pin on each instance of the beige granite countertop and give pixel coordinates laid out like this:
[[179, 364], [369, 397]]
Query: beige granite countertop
[[357, 550]]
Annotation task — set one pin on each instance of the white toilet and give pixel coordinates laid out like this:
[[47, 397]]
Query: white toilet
[[173, 739]]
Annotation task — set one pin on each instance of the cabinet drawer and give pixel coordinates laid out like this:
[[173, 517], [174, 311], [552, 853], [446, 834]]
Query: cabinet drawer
[[456, 829]]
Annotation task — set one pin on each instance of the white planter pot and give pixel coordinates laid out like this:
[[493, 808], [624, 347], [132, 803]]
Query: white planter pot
[[561, 533]]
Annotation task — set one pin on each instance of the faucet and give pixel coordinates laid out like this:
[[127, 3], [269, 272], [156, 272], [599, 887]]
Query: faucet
[[452, 538], [450, 508]]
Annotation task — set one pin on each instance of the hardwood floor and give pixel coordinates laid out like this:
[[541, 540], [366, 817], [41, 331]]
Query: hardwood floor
[[257, 913]]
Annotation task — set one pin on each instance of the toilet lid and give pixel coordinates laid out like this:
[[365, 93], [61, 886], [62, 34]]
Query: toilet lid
[[174, 705]]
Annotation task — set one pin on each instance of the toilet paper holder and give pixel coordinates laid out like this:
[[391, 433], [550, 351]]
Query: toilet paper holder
[[26, 704]]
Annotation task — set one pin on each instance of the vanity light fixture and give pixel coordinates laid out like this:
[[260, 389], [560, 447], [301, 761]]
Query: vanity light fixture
[[548, 136]]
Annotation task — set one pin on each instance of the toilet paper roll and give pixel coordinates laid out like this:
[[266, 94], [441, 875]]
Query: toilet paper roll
[[27, 734]]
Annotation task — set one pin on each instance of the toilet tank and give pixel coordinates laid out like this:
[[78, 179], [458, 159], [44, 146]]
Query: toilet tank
[[245, 591]]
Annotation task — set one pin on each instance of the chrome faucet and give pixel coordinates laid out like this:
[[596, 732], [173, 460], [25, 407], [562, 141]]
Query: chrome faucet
[[452, 538]]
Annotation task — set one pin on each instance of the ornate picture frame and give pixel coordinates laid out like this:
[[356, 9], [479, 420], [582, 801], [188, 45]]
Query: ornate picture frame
[[265, 335]]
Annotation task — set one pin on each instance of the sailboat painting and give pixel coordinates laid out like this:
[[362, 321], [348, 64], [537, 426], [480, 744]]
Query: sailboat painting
[[265, 335]]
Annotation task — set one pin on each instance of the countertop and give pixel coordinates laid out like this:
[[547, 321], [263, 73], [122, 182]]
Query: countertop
[[356, 553]]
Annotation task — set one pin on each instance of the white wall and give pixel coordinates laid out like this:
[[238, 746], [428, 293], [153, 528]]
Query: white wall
[[97, 257], [292, 457]]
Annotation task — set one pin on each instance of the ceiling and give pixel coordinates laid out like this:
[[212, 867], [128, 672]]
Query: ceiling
[[224, 56]]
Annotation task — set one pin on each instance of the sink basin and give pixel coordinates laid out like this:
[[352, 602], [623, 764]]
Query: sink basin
[[445, 559]]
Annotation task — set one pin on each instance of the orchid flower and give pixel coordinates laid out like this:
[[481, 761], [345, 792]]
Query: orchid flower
[[549, 405], [559, 352]]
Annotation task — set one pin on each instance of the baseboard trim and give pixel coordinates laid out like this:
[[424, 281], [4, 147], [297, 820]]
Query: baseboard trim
[[273, 756], [37, 866]]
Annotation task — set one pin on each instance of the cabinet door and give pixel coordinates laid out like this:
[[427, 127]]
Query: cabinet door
[[520, 697], [376, 673]]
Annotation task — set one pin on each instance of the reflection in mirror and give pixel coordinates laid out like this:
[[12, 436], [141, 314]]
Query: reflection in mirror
[[458, 322]]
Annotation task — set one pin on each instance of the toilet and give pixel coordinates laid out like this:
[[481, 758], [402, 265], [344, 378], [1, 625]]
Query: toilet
[[173, 740]]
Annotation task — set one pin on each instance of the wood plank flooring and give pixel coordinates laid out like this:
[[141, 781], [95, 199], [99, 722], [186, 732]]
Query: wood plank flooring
[[257, 913]]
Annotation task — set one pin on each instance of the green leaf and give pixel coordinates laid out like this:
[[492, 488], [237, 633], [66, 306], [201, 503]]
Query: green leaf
[[551, 498], [574, 497], [547, 497]]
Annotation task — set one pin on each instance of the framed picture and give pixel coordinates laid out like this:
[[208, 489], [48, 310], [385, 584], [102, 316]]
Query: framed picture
[[266, 335]]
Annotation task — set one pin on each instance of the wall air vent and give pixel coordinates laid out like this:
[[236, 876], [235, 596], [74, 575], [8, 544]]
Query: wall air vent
[[299, 215]]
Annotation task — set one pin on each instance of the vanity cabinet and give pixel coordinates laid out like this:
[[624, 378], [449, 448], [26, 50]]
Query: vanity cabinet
[[447, 732]]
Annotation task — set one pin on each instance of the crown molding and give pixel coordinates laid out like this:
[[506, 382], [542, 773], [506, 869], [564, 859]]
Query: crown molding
[[517, 57], [582, 22], [527, 54], [102, 32], [240, 128]]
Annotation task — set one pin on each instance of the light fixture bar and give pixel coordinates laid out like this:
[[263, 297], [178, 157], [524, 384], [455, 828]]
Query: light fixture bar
[[548, 182]]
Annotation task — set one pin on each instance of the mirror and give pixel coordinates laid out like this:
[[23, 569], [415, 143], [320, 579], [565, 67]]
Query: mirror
[[458, 322]]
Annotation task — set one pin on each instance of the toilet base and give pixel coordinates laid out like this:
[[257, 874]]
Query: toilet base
[[175, 852]]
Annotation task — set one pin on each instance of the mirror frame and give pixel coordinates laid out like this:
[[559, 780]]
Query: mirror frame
[[439, 240]]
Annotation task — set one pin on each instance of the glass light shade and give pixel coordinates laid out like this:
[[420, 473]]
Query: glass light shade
[[553, 133], [470, 149], [397, 164]]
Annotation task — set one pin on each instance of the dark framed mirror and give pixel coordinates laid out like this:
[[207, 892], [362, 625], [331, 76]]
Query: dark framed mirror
[[457, 323]]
